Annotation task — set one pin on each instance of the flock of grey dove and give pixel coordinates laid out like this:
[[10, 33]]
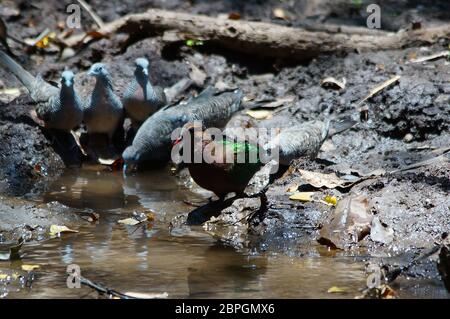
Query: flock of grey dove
[[146, 105]]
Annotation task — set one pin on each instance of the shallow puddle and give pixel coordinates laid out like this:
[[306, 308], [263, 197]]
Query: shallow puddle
[[188, 264]]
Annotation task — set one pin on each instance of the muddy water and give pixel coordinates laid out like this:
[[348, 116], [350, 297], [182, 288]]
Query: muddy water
[[186, 264]]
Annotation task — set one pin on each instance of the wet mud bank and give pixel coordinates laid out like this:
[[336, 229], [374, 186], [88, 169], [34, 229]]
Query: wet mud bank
[[391, 168]]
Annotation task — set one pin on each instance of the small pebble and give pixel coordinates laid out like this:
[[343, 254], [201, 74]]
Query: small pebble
[[408, 138]]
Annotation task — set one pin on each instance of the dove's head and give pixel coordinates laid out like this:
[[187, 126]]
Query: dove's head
[[142, 65], [98, 70], [67, 78]]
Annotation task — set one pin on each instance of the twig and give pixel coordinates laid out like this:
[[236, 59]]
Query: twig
[[104, 290], [91, 12]]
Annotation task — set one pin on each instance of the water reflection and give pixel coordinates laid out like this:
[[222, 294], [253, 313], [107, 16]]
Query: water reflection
[[222, 272], [95, 189]]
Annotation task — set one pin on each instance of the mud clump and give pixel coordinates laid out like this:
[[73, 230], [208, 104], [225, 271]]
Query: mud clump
[[28, 161]]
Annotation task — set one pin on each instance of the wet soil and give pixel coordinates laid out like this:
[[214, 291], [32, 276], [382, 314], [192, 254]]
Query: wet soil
[[406, 123]]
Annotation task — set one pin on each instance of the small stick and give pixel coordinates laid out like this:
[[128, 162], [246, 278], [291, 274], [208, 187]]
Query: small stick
[[91, 12], [104, 290]]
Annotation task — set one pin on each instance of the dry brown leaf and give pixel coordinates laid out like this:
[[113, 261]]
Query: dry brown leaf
[[279, 102], [349, 223], [332, 83], [259, 114], [234, 16], [319, 180], [94, 34], [55, 230]]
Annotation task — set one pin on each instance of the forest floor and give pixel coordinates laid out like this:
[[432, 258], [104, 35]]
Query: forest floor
[[405, 123]]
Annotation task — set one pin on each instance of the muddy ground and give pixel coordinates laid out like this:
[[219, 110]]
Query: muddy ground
[[406, 123]]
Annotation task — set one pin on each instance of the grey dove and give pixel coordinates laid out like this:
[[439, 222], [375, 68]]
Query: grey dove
[[153, 139], [141, 99], [103, 111], [58, 108], [302, 140]]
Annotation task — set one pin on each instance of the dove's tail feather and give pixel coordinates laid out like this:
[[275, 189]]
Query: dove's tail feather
[[23, 75], [341, 125]]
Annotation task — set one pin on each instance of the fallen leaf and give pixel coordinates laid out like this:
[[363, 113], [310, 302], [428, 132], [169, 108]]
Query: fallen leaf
[[43, 43], [87, 37], [330, 200], [234, 16], [56, 230], [30, 267], [9, 94], [431, 57], [349, 223], [280, 14], [381, 292], [302, 196], [332, 83], [387, 292], [335, 289], [380, 232], [151, 217], [319, 180], [259, 114], [278, 102], [130, 221]]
